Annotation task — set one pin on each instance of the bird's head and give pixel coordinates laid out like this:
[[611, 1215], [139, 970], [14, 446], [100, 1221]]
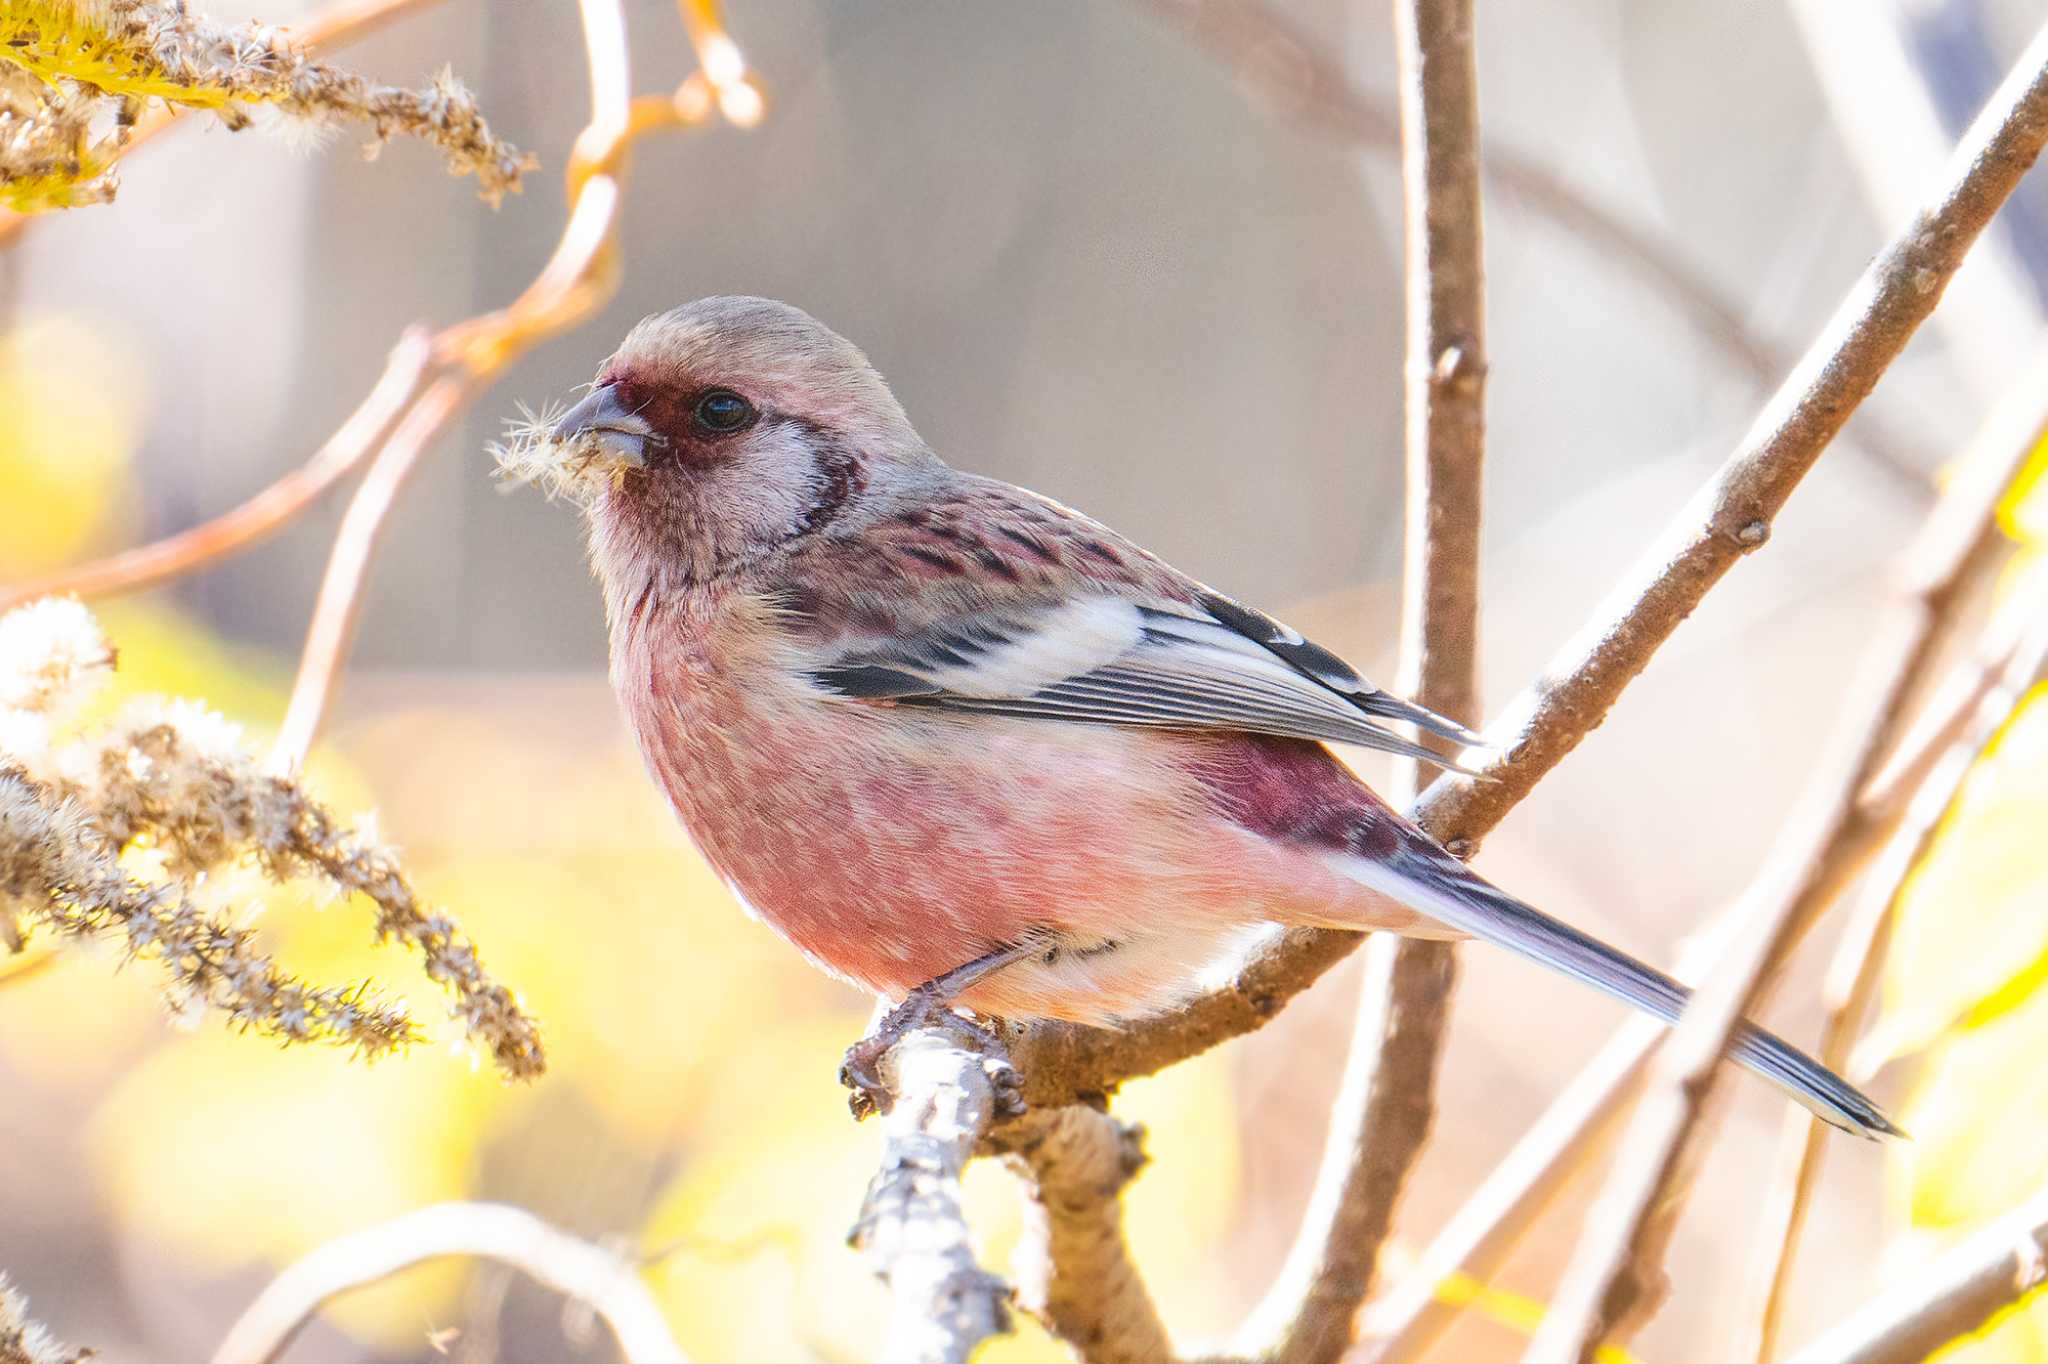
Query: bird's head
[[717, 433]]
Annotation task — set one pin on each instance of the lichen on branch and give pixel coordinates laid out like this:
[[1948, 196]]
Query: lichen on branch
[[172, 777], [93, 64]]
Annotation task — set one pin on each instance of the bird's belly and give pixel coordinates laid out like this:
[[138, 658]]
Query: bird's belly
[[892, 845]]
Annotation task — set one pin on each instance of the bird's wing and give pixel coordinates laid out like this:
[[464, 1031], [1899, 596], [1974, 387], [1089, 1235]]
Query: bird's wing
[[1204, 663]]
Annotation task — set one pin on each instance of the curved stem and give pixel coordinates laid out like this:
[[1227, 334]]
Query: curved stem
[[488, 1231]]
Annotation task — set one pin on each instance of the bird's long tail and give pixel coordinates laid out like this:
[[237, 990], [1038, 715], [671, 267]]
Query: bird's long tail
[[1434, 882]]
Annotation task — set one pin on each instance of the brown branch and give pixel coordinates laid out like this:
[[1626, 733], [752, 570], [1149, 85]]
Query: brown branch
[[1614, 1278], [2010, 661], [1954, 556], [1075, 1269], [912, 1228], [1387, 1099], [1730, 517], [574, 1268], [1610, 1278], [268, 511], [1610, 1281], [1955, 1295]]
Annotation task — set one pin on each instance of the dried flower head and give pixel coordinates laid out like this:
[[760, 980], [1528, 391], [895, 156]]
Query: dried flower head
[[23, 1341], [52, 656], [173, 777], [101, 59], [57, 144], [576, 469]]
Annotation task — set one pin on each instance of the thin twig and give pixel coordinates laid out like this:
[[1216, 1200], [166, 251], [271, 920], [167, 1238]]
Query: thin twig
[[1075, 1268], [1624, 1241], [1730, 517], [1955, 1295], [332, 628], [1387, 1098], [268, 511], [399, 422], [1614, 1278], [574, 1268], [912, 1227], [1955, 554], [2010, 662], [579, 277]]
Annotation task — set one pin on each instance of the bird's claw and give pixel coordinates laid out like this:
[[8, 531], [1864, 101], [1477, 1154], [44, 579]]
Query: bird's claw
[[861, 1070]]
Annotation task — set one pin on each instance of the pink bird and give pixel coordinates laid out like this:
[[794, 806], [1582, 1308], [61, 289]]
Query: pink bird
[[963, 745]]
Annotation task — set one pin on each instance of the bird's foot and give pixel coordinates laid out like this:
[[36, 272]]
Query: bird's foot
[[924, 1007]]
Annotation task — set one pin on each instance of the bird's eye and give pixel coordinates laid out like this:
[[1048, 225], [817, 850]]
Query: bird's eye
[[722, 411]]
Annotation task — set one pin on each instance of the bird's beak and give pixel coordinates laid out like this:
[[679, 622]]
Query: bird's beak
[[601, 421]]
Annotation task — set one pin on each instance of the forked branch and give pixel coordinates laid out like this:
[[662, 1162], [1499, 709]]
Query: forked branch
[[1955, 555], [1624, 1241]]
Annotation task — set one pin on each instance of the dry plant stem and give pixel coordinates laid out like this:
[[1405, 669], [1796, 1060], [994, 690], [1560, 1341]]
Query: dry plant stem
[[1074, 1268], [1953, 557], [1957, 1294], [1615, 1275], [1576, 1129], [1612, 1280], [581, 274], [1854, 974], [233, 531], [1727, 519], [574, 1268], [340, 602], [912, 1228], [337, 24], [1386, 1101]]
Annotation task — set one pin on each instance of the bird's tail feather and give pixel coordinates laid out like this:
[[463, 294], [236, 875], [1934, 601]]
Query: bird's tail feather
[[1439, 885]]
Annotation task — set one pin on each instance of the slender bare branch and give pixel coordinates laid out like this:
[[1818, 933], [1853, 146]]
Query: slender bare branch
[[332, 628], [1075, 1269], [2009, 662], [581, 274], [268, 511], [1955, 1295], [1614, 1278], [1624, 1243], [1956, 553], [1730, 517], [1386, 1101], [912, 1227], [488, 1231]]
